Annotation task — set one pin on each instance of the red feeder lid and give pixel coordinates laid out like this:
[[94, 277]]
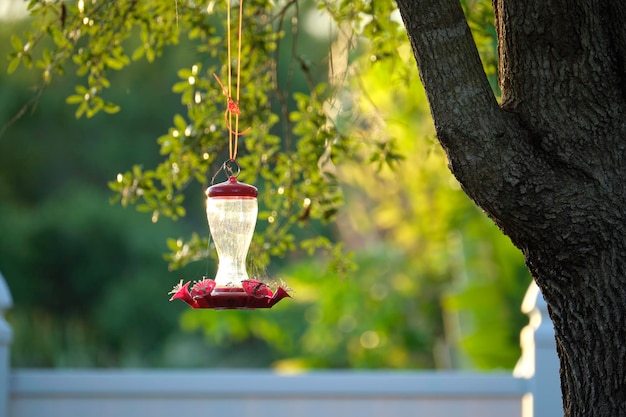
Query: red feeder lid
[[232, 188]]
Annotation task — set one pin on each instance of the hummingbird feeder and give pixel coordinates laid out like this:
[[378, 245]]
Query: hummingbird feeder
[[231, 209]]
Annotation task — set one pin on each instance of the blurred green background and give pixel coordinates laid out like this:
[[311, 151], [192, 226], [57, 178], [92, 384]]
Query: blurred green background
[[436, 285]]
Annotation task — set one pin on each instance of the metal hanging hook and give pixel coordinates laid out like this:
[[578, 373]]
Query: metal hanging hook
[[230, 167]]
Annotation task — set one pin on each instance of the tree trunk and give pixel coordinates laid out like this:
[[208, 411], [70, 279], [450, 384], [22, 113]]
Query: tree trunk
[[547, 164]]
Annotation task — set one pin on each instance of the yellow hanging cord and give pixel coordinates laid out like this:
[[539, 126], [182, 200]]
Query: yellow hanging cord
[[230, 114], [233, 106], [238, 71]]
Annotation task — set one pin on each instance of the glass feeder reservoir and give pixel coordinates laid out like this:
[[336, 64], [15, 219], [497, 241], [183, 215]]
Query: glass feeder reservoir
[[231, 209]]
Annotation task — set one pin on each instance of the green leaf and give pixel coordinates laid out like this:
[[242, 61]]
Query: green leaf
[[81, 90], [13, 64], [113, 63], [81, 110], [180, 211], [17, 43], [179, 122], [110, 108], [144, 208], [150, 54], [92, 111], [74, 99], [138, 53], [174, 244]]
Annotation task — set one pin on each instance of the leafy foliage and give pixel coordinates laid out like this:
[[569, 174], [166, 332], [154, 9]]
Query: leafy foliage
[[84, 274], [334, 123]]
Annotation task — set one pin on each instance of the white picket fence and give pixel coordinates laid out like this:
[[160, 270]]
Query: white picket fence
[[532, 391]]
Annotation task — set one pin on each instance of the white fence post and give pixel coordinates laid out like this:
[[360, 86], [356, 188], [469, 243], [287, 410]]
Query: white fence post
[[5, 343], [539, 361]]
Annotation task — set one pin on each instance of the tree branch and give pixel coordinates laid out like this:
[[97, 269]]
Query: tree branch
[[488, 150], [521, 165], [495, 158], [450, 68]]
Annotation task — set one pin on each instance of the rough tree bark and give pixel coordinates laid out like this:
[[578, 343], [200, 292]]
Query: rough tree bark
[[547, 164]]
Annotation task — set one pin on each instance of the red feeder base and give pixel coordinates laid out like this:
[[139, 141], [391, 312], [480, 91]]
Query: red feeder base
[[251, 295]]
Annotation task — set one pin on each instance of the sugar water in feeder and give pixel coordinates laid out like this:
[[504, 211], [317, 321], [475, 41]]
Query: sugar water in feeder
[[231, 210]]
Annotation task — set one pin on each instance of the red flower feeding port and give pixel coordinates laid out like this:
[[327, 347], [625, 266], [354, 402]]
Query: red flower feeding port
[[232, 213], [252, 294]]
